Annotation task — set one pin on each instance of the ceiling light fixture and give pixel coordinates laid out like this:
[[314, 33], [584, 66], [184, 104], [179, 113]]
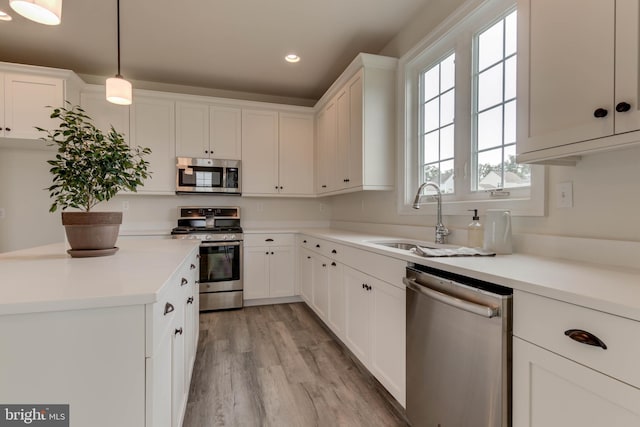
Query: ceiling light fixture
[[118, 89], [292, 58], [47, 12]]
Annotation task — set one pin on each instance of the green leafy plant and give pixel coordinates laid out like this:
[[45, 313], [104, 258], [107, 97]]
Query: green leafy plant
[[90, 167]]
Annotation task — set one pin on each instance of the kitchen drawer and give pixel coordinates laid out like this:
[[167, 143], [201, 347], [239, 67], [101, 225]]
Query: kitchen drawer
[[543, 321], [269, 239]]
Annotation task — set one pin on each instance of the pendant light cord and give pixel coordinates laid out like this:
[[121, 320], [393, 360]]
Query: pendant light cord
[[118, 8]]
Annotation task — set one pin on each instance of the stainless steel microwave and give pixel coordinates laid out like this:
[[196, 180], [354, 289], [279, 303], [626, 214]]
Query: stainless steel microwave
[[207, 176]]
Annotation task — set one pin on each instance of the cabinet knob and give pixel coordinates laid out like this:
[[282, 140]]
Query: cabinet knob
[[324, 265], [623, 107], [206, 151], [333, 264], [183, 282], [347, 180], [308, 257], [600, 113], [584, 337], [192, 266], [304, 241], [281, 187], [318, 245], [7, 129], [324, 186], [266, 253], [276, 187], [178, 331], [333, 251], [168, 308], [271, 253], [190, 300], [0, 128]]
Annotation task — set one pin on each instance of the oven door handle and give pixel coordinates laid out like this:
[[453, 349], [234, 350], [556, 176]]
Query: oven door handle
[[221, 243], [472, 307]]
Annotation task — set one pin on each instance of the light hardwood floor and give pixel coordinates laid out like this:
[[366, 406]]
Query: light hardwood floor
[[277, 366]]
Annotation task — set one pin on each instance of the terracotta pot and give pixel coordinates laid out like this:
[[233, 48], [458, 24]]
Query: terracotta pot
[[92, 230]]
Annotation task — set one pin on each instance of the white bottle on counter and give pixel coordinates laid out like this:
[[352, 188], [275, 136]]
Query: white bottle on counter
[[475, 231]]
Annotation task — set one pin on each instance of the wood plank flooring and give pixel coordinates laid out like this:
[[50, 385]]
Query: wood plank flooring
[[276, 365]]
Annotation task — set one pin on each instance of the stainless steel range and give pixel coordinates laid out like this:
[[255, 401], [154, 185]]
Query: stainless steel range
[[218, 228]]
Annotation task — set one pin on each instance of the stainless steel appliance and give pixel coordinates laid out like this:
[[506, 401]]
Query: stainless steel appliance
[[458, 350], [206, 176], [221, 253]]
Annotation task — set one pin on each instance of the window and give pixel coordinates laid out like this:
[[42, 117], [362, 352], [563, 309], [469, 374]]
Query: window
[[459, 107]]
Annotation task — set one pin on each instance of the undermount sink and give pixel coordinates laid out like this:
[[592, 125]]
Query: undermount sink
[[404, 244], [397, 245]]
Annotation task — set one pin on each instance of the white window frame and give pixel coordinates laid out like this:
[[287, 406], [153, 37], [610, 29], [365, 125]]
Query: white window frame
[[457, 33]]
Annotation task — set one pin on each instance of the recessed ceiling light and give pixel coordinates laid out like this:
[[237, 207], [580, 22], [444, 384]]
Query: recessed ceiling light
[[47, 12], [292, 57], [4, 16]]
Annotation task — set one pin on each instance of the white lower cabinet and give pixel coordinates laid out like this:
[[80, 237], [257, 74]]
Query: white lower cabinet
[[269, 266], [366, 313], [591, 380]]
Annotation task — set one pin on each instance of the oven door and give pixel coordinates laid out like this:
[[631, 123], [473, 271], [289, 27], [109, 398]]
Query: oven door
[[220, 266]]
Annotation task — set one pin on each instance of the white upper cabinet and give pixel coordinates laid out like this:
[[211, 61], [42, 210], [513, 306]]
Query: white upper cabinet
[[152, 125], [208, 131], [356, 129], [577, 78], [277, 153], [104, 113], [23, 104]]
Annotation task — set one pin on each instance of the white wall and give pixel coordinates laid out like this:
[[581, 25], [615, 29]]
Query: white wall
[[605, 186]]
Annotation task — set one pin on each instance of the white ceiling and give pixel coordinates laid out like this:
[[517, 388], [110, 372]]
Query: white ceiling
[[234, 45]]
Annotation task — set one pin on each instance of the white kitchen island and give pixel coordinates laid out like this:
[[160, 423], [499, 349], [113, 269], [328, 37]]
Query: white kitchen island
[[114, 337]]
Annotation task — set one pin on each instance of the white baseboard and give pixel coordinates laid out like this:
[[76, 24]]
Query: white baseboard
[[269, 301]]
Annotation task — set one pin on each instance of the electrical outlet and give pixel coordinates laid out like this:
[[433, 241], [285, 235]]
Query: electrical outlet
[[125, 206], [564, 194], [2, 213]]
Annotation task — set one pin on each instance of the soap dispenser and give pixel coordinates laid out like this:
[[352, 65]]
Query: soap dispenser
[[475, 231]]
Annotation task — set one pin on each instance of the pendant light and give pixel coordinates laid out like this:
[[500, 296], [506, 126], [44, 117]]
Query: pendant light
[[118, 89], [48, 12]]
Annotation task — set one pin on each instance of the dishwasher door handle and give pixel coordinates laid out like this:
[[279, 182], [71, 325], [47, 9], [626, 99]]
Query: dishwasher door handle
[[472, 307]]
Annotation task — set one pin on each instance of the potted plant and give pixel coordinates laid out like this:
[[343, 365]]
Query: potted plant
[[90, 167]]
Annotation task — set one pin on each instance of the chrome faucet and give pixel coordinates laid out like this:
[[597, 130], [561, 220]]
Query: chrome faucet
[[441, 231]]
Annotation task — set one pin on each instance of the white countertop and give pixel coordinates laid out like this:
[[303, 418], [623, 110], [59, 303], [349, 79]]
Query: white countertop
[[45, 278], [610, 289]]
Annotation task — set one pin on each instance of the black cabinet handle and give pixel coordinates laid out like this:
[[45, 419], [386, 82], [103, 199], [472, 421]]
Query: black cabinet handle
[[600, 113], [192, 266], [271, 253], [7, 129], [281, 187], [347, 180], [178, 331], [324, 186], [308, 257], [304, 241], [623, 107], [190, 300], [363, 286], [0, 128], [318, 245], [168, 308], [266, 253], [333, 251], [324, 265], [333, 264], [268, 240], [584, 337], [183, 282]]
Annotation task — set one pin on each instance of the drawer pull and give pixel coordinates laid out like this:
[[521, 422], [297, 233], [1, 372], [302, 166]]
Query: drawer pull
[[168, 308], [183, 282], [192, 267], [333, 251], [190, 300], [268, 240], [333, 264], [318, 245], [584, 337], [178, 331]]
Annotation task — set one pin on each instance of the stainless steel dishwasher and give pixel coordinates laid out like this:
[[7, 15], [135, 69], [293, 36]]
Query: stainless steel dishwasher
[[458, 350]]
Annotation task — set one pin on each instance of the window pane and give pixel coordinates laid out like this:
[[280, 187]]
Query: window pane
[[511, 34], [490, 128], [431, 83], [446, 142], [448, 73], [490, 169], [431, 115], [515, 175], [510, 78], [446, 177], [490, 87], [431, 173], [447, 106], [431, 150], [490, 46], [510, 122]]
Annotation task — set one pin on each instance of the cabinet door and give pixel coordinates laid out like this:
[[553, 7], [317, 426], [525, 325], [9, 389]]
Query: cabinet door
[[226, 132], [321, 285], [26, 99], [296, 154], [343, 135], [259, 152], [551, 391], [327, 148], [159, 388], [306, 275], [281, 271], [627, 63], [178, 395], [358, 319], [565, 72], [337, 299], [152, 125], [388, 320], [356, 137], [192, 129], [256, 272], [104, 113]]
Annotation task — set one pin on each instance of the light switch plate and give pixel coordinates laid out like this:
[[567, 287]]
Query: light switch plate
[[564, 194]]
